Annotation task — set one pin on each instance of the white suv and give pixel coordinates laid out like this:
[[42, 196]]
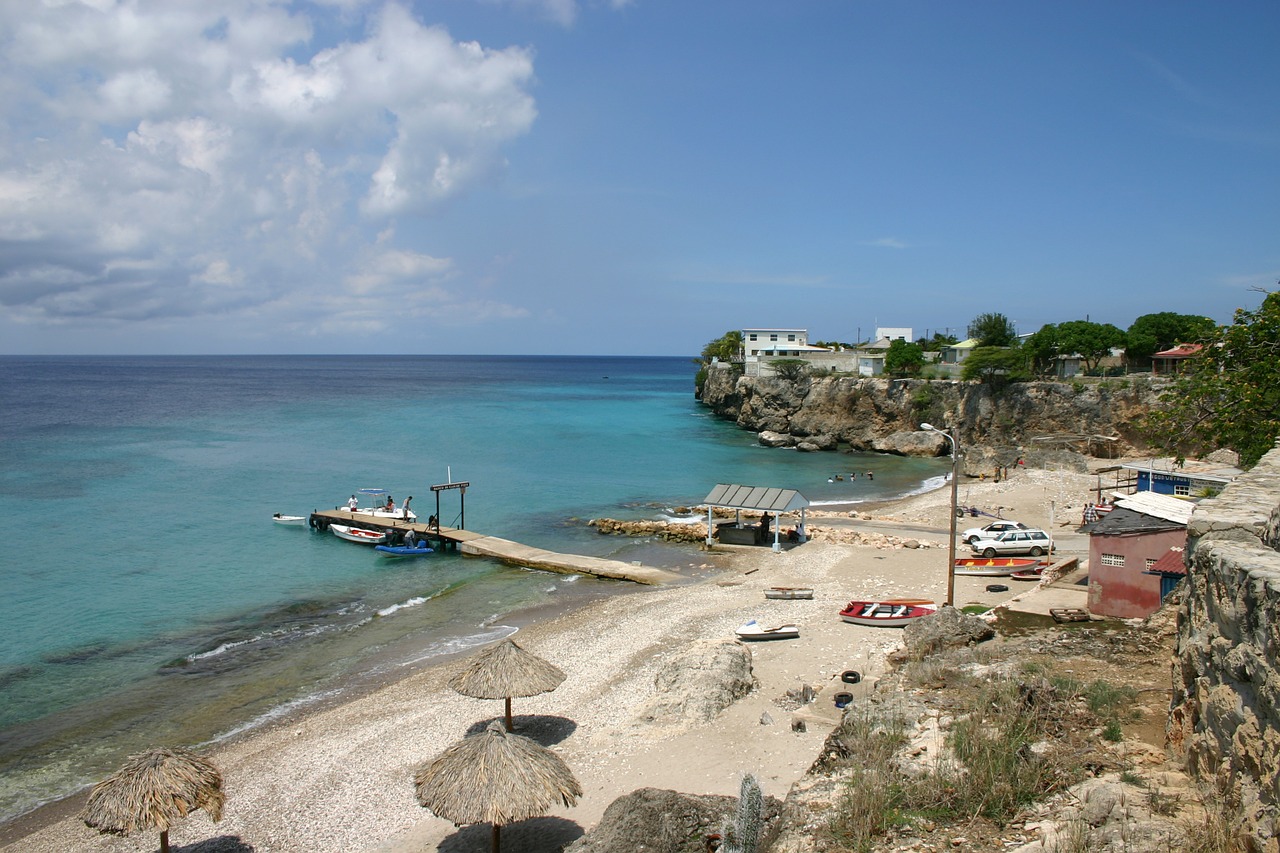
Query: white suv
[[1014, 542], [991, 530]]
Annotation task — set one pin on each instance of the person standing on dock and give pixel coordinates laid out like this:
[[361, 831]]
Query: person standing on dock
[[405, 507], [352, 504]]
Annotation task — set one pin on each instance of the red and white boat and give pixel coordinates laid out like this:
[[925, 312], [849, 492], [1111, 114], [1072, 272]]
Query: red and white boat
[[993, 566], [890, 614], [358, 534]]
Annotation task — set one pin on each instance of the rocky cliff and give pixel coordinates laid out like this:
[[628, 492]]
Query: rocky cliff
[[1047, 423], [1226, 682]]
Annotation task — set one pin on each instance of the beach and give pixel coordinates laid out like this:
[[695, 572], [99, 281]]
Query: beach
[[339, 777]]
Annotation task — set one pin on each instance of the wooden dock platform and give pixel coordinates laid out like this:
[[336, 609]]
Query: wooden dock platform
[[475, 544]]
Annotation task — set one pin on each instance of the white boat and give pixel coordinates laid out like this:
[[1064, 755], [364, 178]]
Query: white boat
[[289, 520], [788, 593], [358, 534], [755, 631], [376, 500]]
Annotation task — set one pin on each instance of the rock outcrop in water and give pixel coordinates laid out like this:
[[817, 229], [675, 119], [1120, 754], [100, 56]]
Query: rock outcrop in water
[[1049, 424]]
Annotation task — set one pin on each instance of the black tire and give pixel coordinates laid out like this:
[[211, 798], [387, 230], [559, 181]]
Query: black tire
[[850, 676], [1036, 551], [843, 699], [972, 539], [997, 587], [989, 553]]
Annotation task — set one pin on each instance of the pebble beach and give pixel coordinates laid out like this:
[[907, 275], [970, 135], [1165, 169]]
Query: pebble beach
[[339, 777]]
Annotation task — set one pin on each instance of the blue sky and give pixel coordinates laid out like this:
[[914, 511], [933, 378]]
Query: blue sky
[[623, 176]]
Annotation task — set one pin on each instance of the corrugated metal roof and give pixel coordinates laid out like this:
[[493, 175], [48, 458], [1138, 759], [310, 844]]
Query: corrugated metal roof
[[756, 497], [1172, 563], [1160, 506]]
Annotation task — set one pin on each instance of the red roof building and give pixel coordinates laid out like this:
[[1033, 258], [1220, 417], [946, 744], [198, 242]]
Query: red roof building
[[1173, 360]]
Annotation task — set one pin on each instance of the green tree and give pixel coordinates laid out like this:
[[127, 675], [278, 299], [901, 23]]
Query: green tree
[[903, 359], [995, 366], [937, 343], [1229, 394], [1041, 348], [1091, 341], [993, 330], [789, 369], [1153, 333], [727, 347]]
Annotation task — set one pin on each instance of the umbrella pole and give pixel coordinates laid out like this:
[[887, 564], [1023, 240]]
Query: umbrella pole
[[510, 727], [497, 837], [164, 841]]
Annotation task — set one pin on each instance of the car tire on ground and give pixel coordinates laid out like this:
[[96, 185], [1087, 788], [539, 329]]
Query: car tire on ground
[[997, 587]]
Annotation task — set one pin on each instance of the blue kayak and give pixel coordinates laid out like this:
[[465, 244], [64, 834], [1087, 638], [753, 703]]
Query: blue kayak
[[419, 550]]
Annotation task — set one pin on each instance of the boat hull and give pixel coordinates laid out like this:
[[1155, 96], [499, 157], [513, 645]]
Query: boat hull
[[403, 550], [788, 593], [289, 520], [991, 567], [753, 631], [886, 614], [357, 534]]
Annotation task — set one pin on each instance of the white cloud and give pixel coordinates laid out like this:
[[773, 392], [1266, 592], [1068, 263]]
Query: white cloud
[[887, 243], [166, 158]]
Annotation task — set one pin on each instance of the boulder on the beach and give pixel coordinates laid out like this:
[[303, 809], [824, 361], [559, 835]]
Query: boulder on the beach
[[700, 681], [661, 821], [769, 438], [915, 443], [947, 629]]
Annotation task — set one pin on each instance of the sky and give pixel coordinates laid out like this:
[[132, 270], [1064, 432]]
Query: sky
[[624, 177]]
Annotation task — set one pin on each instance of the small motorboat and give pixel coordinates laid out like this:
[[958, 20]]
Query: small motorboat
[[890, 614], [992, 567], [379, 508], [358, 534], [788, 593], [419, 549], [289, 520], [753, 630]]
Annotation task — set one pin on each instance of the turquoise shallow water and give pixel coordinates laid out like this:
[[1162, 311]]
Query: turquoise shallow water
[[149, 599]]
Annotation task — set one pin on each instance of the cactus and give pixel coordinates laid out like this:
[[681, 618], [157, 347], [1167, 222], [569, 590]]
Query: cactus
[[743, 836]]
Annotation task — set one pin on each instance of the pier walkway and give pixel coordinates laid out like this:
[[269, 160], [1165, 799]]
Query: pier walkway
[[474, 544]]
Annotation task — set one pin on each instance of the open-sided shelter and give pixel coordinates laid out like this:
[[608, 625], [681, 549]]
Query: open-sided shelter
[[769, 501]]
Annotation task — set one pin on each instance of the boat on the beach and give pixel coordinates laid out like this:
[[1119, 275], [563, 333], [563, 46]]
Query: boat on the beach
[[289, 520], [1034, 573], [993, 566], [358, 534], [421, 549], [891, 614], [378, 508], [788, 593], [753, 630]]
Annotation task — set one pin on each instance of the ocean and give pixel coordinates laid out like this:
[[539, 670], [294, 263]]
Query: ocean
[[147, 598]]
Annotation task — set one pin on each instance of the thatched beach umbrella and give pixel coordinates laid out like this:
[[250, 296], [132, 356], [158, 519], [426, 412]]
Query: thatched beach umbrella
[[495, 777], [506, 670], [153, 790]]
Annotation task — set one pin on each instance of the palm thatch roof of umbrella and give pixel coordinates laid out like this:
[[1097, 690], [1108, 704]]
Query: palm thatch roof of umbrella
[[495, 777], [505, 670], [154, 790]]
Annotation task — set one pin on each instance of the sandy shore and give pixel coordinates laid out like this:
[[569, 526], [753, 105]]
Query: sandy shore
[[339, 779]]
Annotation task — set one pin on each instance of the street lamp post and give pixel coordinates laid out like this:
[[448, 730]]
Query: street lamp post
[[955, 478]]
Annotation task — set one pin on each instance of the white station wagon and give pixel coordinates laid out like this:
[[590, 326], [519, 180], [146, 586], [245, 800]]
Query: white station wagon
[[990, 531], [1031, 542]]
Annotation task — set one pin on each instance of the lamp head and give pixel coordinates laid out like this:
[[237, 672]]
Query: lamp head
[[929, 427]]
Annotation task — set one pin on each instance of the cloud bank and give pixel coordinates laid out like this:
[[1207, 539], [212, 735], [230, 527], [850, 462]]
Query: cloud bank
[[165, 160]]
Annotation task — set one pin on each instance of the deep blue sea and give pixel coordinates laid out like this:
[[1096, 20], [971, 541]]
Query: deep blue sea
[[148, 599]]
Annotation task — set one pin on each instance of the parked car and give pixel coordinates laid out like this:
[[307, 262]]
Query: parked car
[[1014, 543], [990, 531]]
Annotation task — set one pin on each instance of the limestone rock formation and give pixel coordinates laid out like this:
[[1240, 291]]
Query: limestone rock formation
[[700, 681], [663, 821]]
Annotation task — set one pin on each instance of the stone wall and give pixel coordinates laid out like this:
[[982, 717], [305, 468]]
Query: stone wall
[[1225, 712]]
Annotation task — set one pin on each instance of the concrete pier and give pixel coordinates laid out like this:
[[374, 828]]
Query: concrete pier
[[474, 544]]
